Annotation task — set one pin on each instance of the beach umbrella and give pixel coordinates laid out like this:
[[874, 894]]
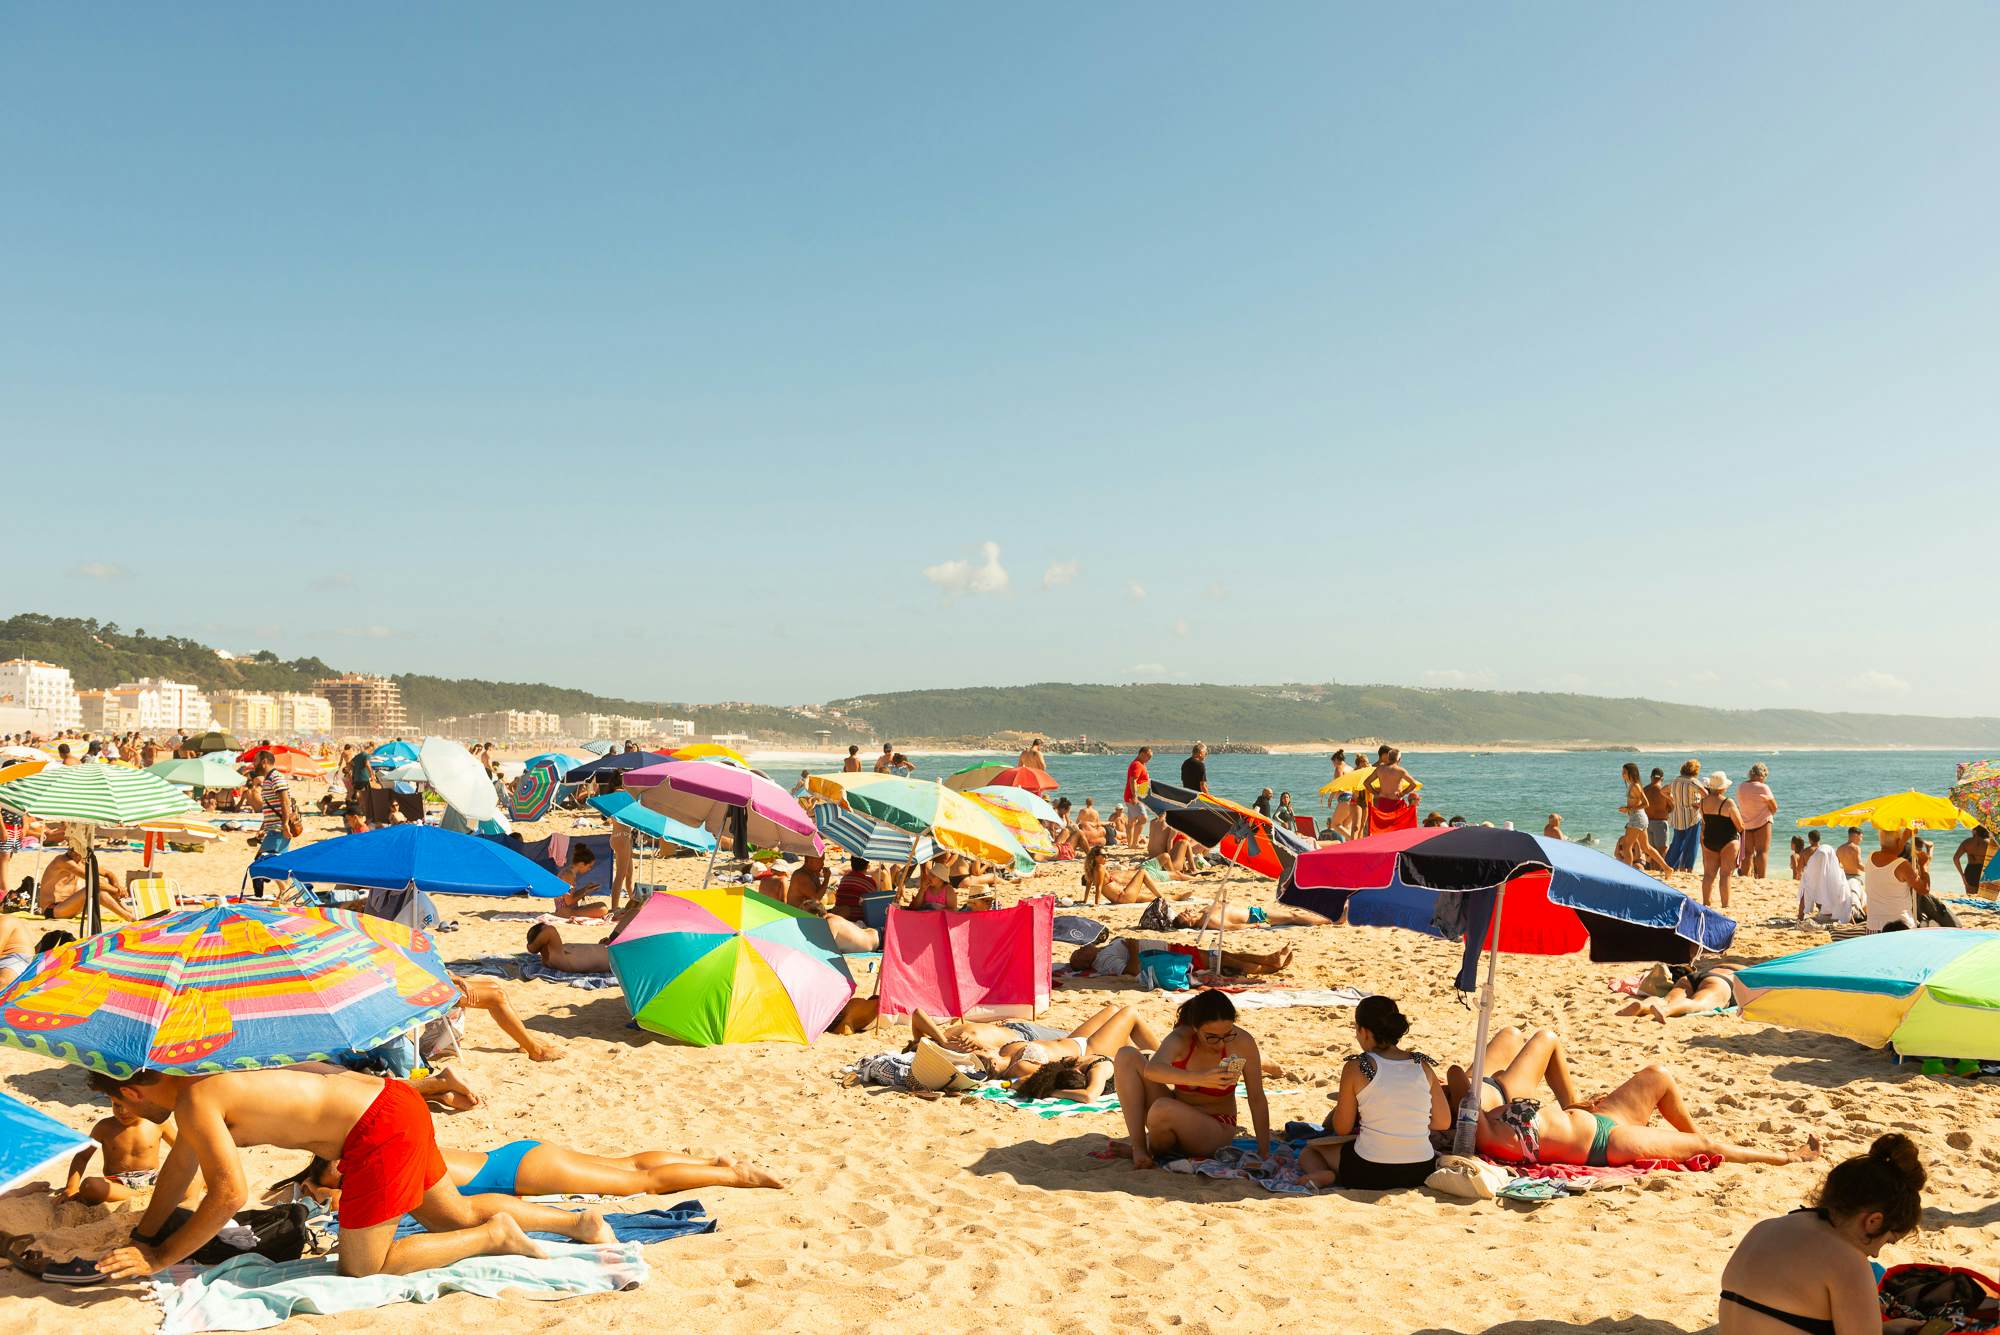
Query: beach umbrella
[[975, 776], [457, 776], [1034, 780], [1910, 810], [32, 1142], [1020, 799], [233, 988], [28, 753], [534, 792], [409, 771], [599, 747], [864, 837], [1226, 827], [1976, 792], [1929, 993], [280, 750], [723, 799], [389, 754], [421, 857], [923, 806], [629, 811], [1349, 782], [728, 965], [197, 773], [621, 762], [560, 762], [1505, 890], [212, 740], [708, 751], [1027, 830], [220, 758], [89, 796], [21, 769]]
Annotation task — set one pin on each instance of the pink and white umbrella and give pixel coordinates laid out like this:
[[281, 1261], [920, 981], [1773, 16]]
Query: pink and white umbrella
[[705, 793]]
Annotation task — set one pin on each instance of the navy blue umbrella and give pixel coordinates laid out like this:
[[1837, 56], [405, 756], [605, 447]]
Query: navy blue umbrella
[[617, 761]]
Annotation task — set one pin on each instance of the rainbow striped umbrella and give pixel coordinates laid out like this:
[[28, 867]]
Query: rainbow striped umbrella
[[233, 988], [728, 965], [534, 792], [1931, 993]]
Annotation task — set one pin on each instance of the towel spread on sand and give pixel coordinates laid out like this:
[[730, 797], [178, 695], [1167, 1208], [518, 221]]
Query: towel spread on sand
[[252, 1293], [530, 967], [999, 1093], [1281, 998], [1578, 1173], [1278, 1173], [644, 1227]]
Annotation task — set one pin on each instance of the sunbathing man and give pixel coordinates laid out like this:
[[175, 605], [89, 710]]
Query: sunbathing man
[[1689, 991], [380, 1132], [1019, 1048], [1609, 1130], [61, 892], [1120, 957], [1249, 915], [131, 1147], [546, 942]]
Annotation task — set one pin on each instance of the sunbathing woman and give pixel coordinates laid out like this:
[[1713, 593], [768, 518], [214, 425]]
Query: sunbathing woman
[[1611, 1129], [1182, 1099], [1809, 1270], [1250, 915], [1101, 884], [1024, 1047], [1119, 957], [1694, 991], [530, 1168]]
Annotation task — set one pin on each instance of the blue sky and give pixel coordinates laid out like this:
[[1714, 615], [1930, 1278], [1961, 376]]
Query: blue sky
[[784, 352]]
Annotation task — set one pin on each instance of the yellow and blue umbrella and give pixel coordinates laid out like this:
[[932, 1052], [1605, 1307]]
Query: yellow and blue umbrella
[[728, 965], [954, 820], [1929, 993], [233, 988]]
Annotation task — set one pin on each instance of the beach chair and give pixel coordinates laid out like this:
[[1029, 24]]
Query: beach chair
[[1304, 825], [149, 893]]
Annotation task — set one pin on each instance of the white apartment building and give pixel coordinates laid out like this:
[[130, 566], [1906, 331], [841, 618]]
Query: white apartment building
[[43, 689], [247, 714], [302, 715], [104, 711], [158, 705], [522, 724], [614, 726], [680, 729]]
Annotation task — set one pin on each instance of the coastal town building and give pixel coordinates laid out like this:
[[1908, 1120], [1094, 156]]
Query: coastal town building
[[303, 715], [157, 704], [246, 714], [364, 705], [508, 724], [44, 690]]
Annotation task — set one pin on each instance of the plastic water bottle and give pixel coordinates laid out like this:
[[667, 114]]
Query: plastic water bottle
[[1465, 1130]]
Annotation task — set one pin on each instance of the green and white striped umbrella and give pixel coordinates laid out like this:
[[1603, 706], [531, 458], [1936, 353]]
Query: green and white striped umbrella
[[95, 795]]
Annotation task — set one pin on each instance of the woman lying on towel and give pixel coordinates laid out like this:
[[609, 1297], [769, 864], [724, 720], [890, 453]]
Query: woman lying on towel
[[1249, 915], [1689, 991], [1119, 957], [1101, 884], [1609, 1130], [1017, 1049], [530, 1168]]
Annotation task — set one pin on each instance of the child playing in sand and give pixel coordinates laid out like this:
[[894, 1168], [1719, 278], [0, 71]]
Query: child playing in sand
[[131, 1146]]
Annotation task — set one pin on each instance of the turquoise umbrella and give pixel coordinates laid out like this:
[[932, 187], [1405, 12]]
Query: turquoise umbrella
[[627, 810]]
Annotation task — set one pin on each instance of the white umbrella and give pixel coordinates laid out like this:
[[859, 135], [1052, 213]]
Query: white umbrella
[[457, 777]]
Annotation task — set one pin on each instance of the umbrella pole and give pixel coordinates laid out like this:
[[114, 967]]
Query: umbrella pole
[[710, 873], [93, 909], [1465, 1136]]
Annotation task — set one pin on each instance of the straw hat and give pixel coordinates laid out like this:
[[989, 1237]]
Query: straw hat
[[934, 1069], [1717, 781]]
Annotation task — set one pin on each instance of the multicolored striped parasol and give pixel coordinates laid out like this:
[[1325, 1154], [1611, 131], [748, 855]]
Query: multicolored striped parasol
[[534, 792]]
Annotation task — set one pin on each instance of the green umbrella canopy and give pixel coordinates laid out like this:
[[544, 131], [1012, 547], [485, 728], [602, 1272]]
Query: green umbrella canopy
[[198, 773], [95, 795]]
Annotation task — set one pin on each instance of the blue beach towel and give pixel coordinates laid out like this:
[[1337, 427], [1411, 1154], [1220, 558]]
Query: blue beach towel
[[643, 1227]]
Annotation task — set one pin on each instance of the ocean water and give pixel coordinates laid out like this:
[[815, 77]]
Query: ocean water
[[1523, 787]]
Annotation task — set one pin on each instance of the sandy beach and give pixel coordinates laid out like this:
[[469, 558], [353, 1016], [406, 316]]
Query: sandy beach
[[958, 1215]]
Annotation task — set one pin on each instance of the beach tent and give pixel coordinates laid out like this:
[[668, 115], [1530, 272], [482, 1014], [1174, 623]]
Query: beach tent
[[429, 859], [990, 965]]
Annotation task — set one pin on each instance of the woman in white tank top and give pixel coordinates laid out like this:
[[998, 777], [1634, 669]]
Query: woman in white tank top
[[1890, 898], [1390, 1101]]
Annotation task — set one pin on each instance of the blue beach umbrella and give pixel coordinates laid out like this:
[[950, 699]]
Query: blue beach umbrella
[[629, 811], [392, 753], [864, 837], [601, 746], [436, 861], [620, 761], [31, 1142]]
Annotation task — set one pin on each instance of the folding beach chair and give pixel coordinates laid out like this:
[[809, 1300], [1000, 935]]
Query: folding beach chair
[[149, 893], [1304, 825]]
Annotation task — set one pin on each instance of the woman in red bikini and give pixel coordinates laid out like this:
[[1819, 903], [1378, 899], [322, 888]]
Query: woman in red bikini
[[1182, 1099]]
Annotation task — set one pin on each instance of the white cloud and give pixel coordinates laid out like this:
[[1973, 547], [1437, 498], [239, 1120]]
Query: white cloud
[[1878, 683], [1060, 573], [1148, 669], [1180, 626], [104, 570], [1457, 678], [1136, 591], [332, 582], [1216, 591], [956, 577], [365, 633]]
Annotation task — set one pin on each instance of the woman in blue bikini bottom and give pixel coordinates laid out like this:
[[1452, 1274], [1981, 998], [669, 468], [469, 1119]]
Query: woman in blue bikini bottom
[[1612, 1129], [531, 1168]]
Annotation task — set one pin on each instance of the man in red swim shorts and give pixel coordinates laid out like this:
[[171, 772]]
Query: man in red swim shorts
[[379, 1131]]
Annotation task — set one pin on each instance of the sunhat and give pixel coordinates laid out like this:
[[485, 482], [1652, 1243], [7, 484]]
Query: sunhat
[[1717, 781]]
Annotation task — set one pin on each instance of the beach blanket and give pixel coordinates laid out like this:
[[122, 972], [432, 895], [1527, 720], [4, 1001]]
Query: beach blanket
[[1583, 1173], [1247, 999], [999, 1093], [529, 967], [1278, 1173], [889, 1069], [251, 1293], [644, 1227]]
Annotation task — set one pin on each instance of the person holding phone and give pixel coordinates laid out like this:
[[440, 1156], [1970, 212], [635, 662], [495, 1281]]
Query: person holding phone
[[1182, 1099]]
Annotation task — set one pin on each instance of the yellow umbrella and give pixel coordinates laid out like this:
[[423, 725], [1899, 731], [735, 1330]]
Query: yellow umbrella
[[182, 827], [1898, 811], [952, 819], [1349, 782], [1021, 825], [708, 751], [22, 769]]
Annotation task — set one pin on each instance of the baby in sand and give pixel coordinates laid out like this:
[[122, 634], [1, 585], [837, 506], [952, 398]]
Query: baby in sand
[[131, 1146]]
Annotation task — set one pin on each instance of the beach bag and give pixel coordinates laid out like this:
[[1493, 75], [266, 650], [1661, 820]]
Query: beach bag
[[276, 1234], [1157, 917], [294, 826], [1959, 1299], [1467, 1178], [1165, 969]]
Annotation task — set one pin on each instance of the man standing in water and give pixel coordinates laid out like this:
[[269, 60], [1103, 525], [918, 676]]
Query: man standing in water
[[380, 1133]]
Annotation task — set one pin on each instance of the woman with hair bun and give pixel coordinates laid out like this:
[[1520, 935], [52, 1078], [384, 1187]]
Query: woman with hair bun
[[1808, 1270], [1390, 1101]]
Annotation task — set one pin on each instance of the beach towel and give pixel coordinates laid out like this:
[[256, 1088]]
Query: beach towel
[[1282, 998], [889, 1069], [999, 1093], [1278, 1173], [644, 1227], [1384, 816], [251, 1293], [1824, 889], [1583, 1173], [529, 967]]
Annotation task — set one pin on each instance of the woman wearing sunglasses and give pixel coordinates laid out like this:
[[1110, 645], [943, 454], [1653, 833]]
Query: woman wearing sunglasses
[[1181, 1100]]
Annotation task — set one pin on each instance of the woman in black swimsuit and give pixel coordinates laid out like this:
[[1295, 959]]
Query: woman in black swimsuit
[[1809, 1270], [1721, 828]]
